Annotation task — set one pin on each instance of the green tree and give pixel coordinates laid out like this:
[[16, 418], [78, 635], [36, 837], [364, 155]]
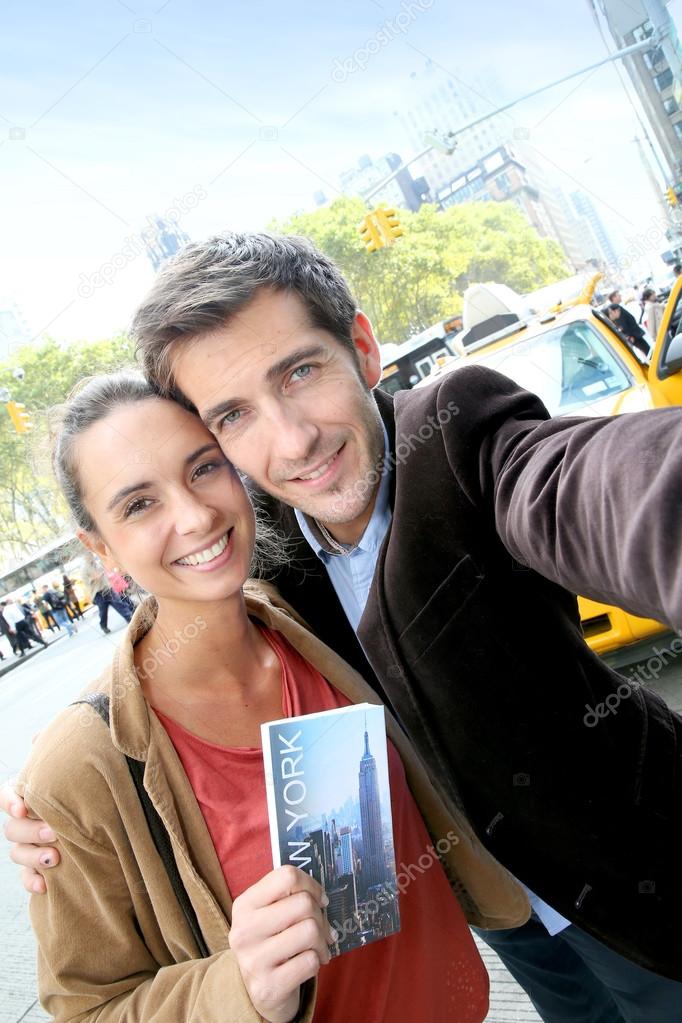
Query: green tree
[[32, 511], [421, 278]]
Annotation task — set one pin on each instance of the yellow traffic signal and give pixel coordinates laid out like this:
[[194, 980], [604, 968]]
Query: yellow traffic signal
[[20, 419], [370, 233], [388, 222], [671, 197], [380, 228]]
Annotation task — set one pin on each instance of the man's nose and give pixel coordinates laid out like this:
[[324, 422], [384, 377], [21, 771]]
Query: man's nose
[[192, 515], [291, 435]]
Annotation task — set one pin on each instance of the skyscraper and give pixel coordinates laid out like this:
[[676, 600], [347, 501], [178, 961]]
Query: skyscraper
[[373, 859], [436, 99], [162, 238], [347, 860], [656, 76]]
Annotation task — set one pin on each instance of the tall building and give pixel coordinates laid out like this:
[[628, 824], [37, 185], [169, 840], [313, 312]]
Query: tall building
[[503, 175], [437, 100], [162, 239], [347, 859], [403, 191], [585, 208], [656, 75], [14, 330], [373, 858]]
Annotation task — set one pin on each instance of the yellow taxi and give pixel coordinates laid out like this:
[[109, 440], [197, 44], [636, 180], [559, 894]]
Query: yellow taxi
[[574, 358]]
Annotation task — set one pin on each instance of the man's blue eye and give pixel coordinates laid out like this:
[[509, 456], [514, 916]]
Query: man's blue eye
[[230, 418], [303, 372]]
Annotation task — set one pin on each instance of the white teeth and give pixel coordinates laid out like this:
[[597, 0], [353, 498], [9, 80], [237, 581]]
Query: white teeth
[[318, 472], [206, 555]]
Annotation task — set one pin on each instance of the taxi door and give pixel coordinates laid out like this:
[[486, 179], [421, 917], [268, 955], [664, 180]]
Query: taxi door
[[665, 372]]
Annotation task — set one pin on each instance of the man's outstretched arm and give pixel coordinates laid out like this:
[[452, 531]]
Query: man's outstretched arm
[[594, 504], [32, 850]]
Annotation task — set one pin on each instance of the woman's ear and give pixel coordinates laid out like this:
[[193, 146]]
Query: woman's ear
[[93, 542]]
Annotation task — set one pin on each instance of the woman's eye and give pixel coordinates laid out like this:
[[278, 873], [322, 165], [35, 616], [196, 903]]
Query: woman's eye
[[136, 506], [205, 468]]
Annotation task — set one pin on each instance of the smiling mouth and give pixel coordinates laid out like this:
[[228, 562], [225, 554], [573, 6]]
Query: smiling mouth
[[321, 469], [208, 554]]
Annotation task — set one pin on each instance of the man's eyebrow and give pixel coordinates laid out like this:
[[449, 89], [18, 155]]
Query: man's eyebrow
[[278, 369]]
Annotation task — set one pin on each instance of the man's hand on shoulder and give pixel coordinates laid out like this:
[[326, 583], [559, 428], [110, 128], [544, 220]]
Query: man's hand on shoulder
[[30, 838]]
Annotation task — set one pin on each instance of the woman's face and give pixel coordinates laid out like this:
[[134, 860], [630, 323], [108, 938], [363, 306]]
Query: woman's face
[[169, 508]]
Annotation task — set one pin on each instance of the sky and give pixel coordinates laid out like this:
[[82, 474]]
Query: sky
[[228, 115]]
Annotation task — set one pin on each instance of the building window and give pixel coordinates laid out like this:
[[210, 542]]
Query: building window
[[664, 80], [670, 105], [678, 128]]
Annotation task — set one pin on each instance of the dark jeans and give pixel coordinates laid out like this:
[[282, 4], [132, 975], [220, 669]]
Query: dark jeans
[[573, 978], [104, 601]]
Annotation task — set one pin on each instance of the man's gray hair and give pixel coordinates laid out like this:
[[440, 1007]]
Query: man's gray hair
[[208, 282]]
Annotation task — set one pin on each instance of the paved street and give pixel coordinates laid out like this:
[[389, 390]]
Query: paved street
[[29, 696]]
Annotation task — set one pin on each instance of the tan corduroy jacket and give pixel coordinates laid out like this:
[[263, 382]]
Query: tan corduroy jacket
[[113, 943]]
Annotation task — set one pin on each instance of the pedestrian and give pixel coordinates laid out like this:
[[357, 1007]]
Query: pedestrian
[[422, 532], [14, 616], [652, 312], [7, 630], [58, 607], [103, 597], [31, 619], [191, 716], [677, 270], [70, 597], [46, 612], [626, 323]]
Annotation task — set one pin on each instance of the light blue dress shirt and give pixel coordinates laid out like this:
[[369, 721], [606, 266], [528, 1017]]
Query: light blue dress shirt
[[351, 576]]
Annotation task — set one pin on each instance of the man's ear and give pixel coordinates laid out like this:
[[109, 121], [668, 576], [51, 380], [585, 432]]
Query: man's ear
[[367, 348]]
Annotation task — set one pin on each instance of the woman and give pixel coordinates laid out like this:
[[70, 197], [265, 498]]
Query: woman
[[201, 666], [652, 313]]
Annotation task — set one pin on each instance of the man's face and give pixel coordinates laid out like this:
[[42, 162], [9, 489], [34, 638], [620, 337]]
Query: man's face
[[290, 405], [616, 297]]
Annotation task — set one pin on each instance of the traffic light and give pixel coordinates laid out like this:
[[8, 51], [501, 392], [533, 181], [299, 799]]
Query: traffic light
[[370, 233], [380, 228], [671, 196], [387, 218], [20, 419]]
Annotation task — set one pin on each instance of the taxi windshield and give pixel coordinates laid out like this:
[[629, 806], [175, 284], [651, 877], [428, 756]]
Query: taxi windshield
[[569, 367]]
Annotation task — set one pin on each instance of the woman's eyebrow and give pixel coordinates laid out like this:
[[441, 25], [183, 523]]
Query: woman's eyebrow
[[126, 492]]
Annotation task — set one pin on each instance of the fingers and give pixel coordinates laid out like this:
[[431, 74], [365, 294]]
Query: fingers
[[280, 883], [33, 882], [27, 831], [34, 857], [306, 936], [10, 801]]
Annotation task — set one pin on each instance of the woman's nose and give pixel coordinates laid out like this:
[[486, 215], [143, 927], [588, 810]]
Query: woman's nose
[[192, 515]]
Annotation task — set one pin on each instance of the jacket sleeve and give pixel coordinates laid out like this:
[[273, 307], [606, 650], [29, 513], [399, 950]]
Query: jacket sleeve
[[93, 963], [594, 504]]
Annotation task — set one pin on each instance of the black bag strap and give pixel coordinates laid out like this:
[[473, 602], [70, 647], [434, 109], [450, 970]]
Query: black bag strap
[[100, 703]]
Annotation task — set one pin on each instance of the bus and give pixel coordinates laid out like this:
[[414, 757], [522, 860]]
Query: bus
[[61, 557], [406, 364]]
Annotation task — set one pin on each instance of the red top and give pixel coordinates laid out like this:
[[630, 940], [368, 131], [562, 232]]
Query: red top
[[430, 971]]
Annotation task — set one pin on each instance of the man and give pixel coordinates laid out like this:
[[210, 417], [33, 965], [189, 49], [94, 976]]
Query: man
[[14, 616], [627, 324], [428, 540], [57, 604]]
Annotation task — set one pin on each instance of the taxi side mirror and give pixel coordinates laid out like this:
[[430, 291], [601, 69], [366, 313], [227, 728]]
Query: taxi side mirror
[[672, 359]]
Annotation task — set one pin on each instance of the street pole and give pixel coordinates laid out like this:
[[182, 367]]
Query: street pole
[[449, 136]]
